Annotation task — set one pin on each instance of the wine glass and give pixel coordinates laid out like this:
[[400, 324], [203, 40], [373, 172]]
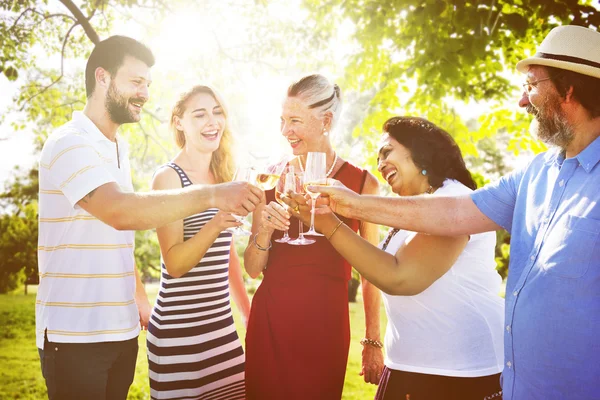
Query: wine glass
[[244, 174], [268, 175], [299, 188], [285, 184], [316, 175]]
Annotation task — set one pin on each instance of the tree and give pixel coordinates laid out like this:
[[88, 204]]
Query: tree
[[18, 232], [418, 54]]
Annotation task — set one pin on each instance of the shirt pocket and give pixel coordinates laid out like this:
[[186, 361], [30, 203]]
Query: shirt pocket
[[568, 250]]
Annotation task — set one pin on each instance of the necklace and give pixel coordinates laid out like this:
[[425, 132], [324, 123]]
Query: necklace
[[330, 169], [389, 237]]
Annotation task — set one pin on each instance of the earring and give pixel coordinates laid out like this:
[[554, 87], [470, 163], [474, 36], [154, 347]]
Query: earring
[[325, 133], [424, 172]]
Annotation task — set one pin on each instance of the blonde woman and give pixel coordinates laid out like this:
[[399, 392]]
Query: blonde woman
[[193, 348]]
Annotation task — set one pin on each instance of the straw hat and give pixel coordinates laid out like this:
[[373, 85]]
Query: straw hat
[[569, 47]]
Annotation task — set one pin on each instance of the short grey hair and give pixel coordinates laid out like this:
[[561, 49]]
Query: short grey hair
[[319, 94]]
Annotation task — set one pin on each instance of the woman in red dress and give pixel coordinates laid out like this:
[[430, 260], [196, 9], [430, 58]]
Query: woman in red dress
[[298, 333]]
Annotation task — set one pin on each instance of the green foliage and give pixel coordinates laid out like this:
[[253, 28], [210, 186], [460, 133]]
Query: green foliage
[[419, 55], [18, 232], [147, 255]]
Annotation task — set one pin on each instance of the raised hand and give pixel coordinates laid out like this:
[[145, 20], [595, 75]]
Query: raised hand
[[274, 216], [336, 198], [299, 206], [224, 220], [237, 197]]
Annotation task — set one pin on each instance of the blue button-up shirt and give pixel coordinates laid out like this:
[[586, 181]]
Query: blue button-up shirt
[[552, 328]]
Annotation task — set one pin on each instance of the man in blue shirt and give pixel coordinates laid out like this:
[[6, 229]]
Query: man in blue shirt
[[552, 210]]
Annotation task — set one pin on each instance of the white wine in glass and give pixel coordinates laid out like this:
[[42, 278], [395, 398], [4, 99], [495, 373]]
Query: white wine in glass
[[266, 181], [268, 175]]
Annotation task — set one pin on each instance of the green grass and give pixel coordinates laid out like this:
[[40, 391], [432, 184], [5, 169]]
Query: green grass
[[21, 377]]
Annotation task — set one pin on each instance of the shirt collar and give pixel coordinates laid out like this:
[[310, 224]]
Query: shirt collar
[[83, 122], [589, 157]]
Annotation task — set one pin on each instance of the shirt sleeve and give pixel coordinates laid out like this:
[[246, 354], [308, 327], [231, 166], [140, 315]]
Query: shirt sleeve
[[76, 167], [497, 200]]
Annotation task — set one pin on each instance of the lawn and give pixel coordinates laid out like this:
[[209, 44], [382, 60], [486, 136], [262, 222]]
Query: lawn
[[21, 377]]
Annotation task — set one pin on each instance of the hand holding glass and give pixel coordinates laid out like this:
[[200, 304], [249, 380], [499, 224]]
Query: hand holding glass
[[285, 184], [242, 174], [299, 188]]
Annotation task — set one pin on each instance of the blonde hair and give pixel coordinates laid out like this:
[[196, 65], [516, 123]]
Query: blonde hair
[[319, 95], [221, 163]]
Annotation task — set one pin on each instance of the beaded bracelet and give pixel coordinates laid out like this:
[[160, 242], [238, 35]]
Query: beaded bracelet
[[258, 246], [334, 229], [371, 342]]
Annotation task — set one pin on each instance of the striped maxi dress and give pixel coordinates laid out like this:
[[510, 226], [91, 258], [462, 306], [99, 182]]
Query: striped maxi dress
[[194, 351]]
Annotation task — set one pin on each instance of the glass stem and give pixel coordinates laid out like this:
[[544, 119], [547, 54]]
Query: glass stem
[[312, 212], [300, 229]]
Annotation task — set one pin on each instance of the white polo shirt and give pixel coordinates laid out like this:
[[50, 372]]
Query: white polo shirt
[[87, 281]]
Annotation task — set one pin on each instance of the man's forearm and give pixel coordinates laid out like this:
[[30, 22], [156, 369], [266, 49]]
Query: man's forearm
[[435, 215], [140, 211]]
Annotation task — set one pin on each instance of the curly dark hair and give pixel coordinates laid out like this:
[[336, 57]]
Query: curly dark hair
[[431, 148]]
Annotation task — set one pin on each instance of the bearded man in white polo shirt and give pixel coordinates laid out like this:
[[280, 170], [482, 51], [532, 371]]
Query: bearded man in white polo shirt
[[90, 300]]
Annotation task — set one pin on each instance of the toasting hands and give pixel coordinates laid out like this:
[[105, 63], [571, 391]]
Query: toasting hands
[[240, 198]]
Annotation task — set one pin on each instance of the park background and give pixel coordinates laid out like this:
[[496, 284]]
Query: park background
[[451, 61]]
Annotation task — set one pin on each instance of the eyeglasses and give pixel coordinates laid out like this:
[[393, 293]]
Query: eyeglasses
[[528, 86]]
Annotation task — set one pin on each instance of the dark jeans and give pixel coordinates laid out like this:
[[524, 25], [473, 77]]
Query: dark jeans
[[400, 385], [91, 371]]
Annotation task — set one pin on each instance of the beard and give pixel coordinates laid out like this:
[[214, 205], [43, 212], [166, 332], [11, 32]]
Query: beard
[[117, 106], [550, 124]]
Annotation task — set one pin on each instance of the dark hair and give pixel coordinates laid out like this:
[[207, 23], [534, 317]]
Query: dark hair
[[431, 148], [586, 89], [110, 54]]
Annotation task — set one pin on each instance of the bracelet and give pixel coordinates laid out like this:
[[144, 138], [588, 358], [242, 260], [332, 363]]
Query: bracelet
[[371, 342], [258, 246], [334, 229]]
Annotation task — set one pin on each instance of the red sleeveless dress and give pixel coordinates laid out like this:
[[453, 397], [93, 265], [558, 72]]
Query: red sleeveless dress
[[299, 332]]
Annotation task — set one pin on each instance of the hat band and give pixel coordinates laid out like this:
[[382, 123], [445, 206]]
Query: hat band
[[570, 59]]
